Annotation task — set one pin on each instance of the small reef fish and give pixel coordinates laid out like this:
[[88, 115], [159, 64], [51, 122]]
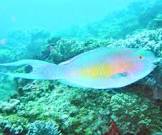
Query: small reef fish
[[101, 68]]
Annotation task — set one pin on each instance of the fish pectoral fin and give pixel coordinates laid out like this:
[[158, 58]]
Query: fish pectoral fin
[[118, 75]]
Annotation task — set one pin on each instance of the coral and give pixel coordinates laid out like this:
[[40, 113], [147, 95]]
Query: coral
[[9, 106], [65, 49], [74, 110], [131, 112], [79, 111], [43, 128], [156, 22], [13, 124], [38, 39], [147, 39]]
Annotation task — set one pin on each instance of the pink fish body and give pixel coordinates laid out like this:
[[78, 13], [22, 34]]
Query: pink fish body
[[101, 68]]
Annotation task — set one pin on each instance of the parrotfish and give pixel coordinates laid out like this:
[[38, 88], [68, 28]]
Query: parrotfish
[[101, 68]]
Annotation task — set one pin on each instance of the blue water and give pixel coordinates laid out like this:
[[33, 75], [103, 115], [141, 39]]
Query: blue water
[[54, 15]]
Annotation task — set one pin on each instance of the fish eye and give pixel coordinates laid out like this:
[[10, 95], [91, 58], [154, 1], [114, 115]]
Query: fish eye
[[140, 57]]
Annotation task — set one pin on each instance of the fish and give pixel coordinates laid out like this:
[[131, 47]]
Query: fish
[[100, 68]]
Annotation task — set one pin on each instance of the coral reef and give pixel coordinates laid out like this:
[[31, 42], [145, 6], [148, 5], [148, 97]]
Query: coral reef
[[64, 49], [147, 39], [128, 108], [74, 110], [80, 111], [9, 106], [43, 128], [13, 124]]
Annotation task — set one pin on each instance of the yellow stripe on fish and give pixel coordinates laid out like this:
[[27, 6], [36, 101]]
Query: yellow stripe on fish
[[97, 71], [105, 70]]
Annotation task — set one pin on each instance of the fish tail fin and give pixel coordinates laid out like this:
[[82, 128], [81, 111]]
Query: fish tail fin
[[40, 70]]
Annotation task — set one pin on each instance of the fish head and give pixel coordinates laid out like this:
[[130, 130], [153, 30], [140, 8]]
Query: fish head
[[143, 63], [145, 57], [134, 64]]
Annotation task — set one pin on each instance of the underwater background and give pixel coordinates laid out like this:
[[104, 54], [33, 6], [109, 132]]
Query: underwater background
[[57, 30]]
